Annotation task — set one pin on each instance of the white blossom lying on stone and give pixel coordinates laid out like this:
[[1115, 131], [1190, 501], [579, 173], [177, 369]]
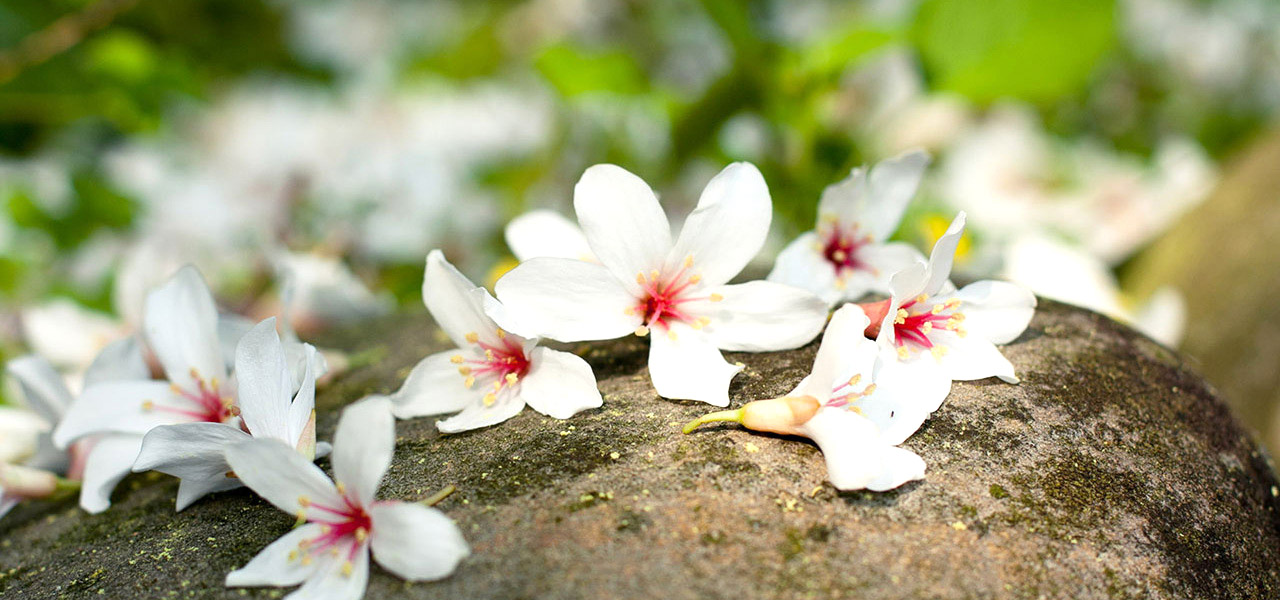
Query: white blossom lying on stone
[[492, 374], [329, 555], [648, 282]]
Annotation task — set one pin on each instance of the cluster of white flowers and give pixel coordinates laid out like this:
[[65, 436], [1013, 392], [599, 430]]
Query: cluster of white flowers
[[222, 415]]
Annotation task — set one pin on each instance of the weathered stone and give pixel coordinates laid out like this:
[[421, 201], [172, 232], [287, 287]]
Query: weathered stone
[[1112, 471], [1222, 258]]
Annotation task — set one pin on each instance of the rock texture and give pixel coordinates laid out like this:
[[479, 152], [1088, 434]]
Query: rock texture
[[1112, 471]]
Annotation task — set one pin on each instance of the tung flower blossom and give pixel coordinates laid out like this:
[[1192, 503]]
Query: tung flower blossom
[[492, 374], [857, 410], [848, 255], [927, 325], [648, 282], [268, 408], [329, 555]]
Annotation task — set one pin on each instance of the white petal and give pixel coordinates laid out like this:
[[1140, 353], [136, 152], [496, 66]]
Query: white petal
[[559, 384], [802, 266], [997, 311], [689, 367], [763, 316], [971, 357], [272, 565], [623, 222], [904, 285], [190, 490], [66, 333], [897, 466], [329, 582], [452, 300], [477, 414], [362, 446], [232, 327], [1163, 317], [110, 459], [116, 407], [850, 444], [120, 360], [42, 387], [433, 387], [263, 384], [546, 233], [182, 328], [875, 200], [944, 252], [303, 407], [885, 260], [566, 300], [188, 450], [415, 542], [280, 475], [728, 226], [843, 353], [7, 503], [906, 394]]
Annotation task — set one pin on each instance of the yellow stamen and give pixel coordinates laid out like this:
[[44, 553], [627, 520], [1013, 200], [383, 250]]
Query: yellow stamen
[[900, 317], [361, 534], [497, 386], [855, 379], [688, 261], [464, 370], [960, 332], [473, 337], [716, 297], [501, 334], [347, 567], [695, 278], [871, 389], [173, 387], [937, 309], [903, 354], [629, 311], [671, 333], [306, 560], [654, 274], [304, 501], [839, 255], [642, 331], [927, 327], [488, 355], [293, 555], [640, 278], [148, 405], [456, 359], [921, 298], [469, 382], [938, 351], [342, 488], [490, 398], [512, 378]]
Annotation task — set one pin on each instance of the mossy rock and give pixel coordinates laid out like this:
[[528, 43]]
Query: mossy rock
[[1112, 471]]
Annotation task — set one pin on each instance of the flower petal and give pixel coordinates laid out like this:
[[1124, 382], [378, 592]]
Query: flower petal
[[997, 311], [188, 450], [843, 353], [623, 222], [944, 252], [116, 407], [415, 542], [331, 580], [971, 357], [728, 227], [897, 466], [263, 384], [566, 300], [762, 316], [190, 490], [280, 475], [850, 444], [433, 387], [303, 407], [110, 459], [546, 233], [120, 360], [875, 199], [232, 327], [362, 446], [182, 328], [884, 261], [477, 414], [559, 384], [689, 367], [272, 566], [450, 297], [42, 386], [800, 265], [906, 393]]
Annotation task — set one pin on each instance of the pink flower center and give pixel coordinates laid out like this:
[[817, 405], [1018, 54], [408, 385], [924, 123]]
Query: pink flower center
[[918, 319], [206, 403], [841, 248], [344, 530], [666, 297], [500, 364]]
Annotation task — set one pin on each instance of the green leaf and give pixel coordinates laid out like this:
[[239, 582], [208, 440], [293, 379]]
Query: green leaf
[[1034, 50], [575, 71]]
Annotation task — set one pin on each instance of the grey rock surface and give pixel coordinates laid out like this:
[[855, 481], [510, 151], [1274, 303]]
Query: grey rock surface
[[1112, 471]]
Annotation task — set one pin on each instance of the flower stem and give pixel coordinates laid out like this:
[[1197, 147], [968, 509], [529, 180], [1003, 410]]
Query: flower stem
[[724, 415], [437, 497]]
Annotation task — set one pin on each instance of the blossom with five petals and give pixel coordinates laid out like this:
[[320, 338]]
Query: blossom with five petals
[[857, 408], [648, 282], [492, 374], [329, 555], [928, 325], [268, 407], [847, 254]]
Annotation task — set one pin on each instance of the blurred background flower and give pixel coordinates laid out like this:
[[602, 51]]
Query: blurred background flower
[[332, 143]]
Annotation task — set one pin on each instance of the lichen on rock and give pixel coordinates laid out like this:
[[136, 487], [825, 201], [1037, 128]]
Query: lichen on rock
[[1111, 471]]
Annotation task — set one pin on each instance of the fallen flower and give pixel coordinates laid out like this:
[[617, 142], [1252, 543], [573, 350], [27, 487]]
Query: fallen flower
[[329, 554], [848, 254], [857, 410], [646, 282], [492, 374]]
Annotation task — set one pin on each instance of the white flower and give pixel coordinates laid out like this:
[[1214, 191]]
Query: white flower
[[329, 555], [647, 282], [857, 410], [848, 255], [67, 334], [492, 374], [321, 290], [269, 409], [540, 233], [928, 325], [101, 461]]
